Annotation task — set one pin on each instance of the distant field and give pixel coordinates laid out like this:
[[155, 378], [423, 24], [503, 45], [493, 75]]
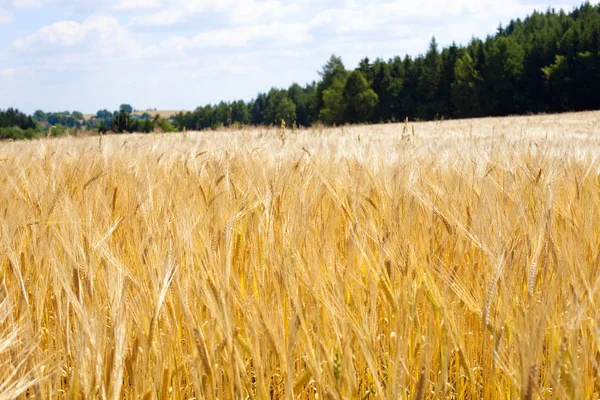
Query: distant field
[[455, 259]]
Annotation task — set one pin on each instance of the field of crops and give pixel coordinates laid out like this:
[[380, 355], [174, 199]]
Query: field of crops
[[455, 259]]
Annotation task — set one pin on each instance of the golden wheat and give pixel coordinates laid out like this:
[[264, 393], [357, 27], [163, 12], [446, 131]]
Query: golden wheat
[[462, 263]]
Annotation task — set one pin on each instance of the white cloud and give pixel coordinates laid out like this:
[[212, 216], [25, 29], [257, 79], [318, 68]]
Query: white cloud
[[63, 33], [354, 17], [30, 3], [5, 16], [235, 11], [100, 34], [8, 73], [274, 33], [247, 12], [126, 5], [211, 50], [166, 17]]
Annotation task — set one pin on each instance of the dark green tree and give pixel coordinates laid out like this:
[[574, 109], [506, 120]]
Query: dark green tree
[[126, 107], [359, 99], [333, 71]]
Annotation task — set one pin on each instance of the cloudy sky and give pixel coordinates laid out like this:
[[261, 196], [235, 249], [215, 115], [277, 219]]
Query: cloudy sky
[[177, 54]]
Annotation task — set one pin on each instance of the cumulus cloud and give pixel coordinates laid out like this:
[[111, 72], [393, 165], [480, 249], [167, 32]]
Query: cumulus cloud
[[245, 12], [274, 33], [240, 12], [5, 16], [8, 73], [166, 17], [126, 5], [360, 17], [101, 34], [30, 3], [198, 51]]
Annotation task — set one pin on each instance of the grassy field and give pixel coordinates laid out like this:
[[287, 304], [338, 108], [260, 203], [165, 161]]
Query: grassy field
[[455, 259]]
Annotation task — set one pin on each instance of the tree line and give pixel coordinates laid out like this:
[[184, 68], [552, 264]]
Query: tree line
[[547, 62], [17, 125]]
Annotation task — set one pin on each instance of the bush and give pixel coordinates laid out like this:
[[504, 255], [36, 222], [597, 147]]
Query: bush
[[58, 130], [17, 133], [165, 125]]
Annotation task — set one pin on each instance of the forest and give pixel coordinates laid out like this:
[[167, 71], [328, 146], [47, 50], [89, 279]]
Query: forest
[[548, 62]]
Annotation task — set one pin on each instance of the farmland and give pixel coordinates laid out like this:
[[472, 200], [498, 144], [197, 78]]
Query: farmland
[[439, 259]]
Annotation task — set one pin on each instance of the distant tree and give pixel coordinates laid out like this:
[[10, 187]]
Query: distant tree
[[121, 122], [146, 126], [359, 99], [126, 107], [428, 83], [279, 106], [222, 115], [164, 125], [409, 98], [303, 99], [69, 122], [239, 112], [368, 70], [558, 83], [501, 74], [39, 115], [449, 57], [257, 109], [103, 114], [102, 127], [14, 118], [54, 119], [333, 71], [465, 88], [333, 111]]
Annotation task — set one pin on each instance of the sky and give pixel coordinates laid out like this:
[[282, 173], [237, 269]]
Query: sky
[[87, 55]]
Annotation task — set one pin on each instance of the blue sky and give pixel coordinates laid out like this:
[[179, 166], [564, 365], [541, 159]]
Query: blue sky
[[177, 54]]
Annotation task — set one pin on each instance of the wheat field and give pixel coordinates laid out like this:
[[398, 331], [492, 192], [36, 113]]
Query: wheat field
[[455, 259]]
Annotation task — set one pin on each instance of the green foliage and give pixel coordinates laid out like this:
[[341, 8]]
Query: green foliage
[[465, 87], [102, 128], [239, 113], [558, 82], [302, 99], [547, 62], [333, 110], [279, 106], [333, 72], [257, 109], [428, 84], [164, 125], [146, 126], [14, 118], [359, 98], [17, 133], [104, 114], [57, 130], [40, 116], [126, 107], [121, 122]]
